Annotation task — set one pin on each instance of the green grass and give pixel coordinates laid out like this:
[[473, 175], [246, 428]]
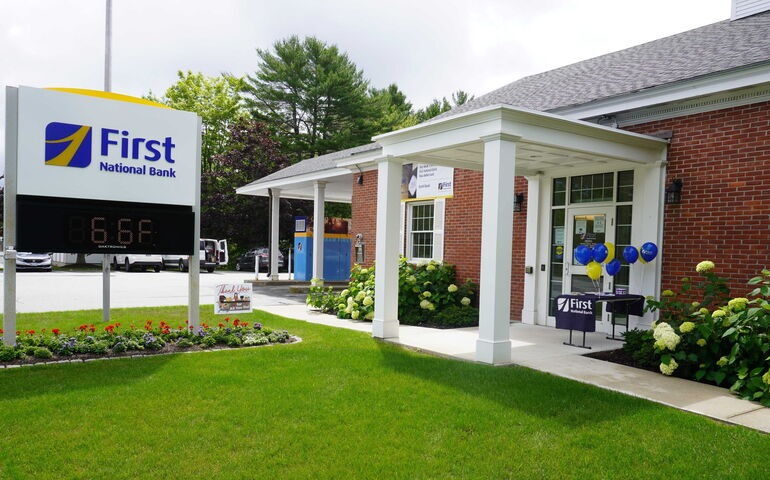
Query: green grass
[[340, 405]]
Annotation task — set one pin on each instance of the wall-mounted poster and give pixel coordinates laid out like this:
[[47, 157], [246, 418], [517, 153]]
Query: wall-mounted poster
[[232, 298], [420, 180]]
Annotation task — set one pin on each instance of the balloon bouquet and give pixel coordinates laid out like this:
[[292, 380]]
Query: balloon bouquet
[[593, 257]]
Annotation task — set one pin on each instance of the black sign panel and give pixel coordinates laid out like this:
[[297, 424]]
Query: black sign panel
[[52, 224]]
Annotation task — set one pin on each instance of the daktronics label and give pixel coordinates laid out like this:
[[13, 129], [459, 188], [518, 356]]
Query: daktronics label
[[69, 145], [574, 305], [112, 147]]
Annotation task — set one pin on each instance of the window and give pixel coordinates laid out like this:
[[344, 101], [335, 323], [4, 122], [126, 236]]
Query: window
[[421, 230], [591, 188], [626, 186]]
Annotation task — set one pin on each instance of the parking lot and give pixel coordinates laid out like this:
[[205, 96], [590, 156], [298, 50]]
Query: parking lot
[[64, 290]]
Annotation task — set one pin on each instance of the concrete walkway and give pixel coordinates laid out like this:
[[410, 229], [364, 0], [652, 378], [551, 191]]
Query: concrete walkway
[[541, 348]]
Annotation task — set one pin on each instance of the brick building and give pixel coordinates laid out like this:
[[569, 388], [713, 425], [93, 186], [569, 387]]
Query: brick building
[[507, 185]]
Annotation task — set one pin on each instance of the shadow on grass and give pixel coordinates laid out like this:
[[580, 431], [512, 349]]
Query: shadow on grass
[[517, 388], [39, 380]]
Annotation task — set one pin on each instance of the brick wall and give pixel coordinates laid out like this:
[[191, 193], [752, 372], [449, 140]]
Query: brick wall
[[462, 233], [364, 215], [723, 158]]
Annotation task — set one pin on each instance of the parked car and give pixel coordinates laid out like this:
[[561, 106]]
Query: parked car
[[137, 262], [213, 253], [33, 261], [246, 261]]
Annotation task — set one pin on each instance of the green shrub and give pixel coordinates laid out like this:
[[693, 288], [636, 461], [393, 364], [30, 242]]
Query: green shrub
[[208, 341], [639, 346], [29, 350], [424, 291], [456, 316], [9, 354], [728, 345], [42, 353], [184, 343]]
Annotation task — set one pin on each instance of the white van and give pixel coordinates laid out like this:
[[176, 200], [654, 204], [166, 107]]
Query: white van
[[137, 262], [212, 253]]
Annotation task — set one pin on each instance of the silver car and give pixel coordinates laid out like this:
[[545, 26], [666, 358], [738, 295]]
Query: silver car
[[33, 261]]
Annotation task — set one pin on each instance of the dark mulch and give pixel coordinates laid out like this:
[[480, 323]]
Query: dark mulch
[[621, 357]]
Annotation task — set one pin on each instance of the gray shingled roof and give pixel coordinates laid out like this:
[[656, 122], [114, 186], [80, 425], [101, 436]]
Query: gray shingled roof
[[714, 48], [316, 164]]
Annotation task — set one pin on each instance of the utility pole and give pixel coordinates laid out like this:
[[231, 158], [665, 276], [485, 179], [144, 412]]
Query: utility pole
[[107, 88]]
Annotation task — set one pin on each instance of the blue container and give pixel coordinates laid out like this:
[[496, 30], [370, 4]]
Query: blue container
[[336, 254]]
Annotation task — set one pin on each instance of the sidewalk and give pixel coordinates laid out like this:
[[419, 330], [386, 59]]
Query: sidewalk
[[541, 348]]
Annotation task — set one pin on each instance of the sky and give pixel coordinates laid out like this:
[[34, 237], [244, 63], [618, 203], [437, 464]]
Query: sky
[[430, 48]]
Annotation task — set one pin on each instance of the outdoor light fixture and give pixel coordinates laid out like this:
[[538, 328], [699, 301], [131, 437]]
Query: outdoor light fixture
[[360, 179], [674, 192], [518, 202]]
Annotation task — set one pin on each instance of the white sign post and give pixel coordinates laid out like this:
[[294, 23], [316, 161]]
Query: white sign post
[[70, 150]]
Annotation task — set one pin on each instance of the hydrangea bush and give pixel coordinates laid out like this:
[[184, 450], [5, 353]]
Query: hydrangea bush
[[115, 339], [427, 295], [718, 339]]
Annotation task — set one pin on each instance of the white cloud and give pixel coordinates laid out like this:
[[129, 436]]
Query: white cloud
[[429, 48]]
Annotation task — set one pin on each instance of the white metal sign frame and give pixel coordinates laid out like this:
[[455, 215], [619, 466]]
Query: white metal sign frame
[[10, 224]]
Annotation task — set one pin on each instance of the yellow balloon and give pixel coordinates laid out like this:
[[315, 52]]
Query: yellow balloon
[[594, 270], [611, 252]]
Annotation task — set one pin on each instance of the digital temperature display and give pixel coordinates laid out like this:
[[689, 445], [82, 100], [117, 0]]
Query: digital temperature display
[[47, 224]]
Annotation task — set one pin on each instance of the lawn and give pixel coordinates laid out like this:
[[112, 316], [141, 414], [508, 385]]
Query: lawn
[[339, 405]]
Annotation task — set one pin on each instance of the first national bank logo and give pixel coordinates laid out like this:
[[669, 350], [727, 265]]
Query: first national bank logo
[[67, 145]]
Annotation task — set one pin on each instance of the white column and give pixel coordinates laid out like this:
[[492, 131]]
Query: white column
[[385, 323], [531, 255], [494, 342], [274, 223], [319, 215]]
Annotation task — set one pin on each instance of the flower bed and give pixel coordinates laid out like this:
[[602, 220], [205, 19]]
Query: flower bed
[[89, 341], [427, 296], [715, 339]]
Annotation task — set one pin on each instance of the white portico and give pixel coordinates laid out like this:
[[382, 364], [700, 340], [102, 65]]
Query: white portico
[[505, 142]]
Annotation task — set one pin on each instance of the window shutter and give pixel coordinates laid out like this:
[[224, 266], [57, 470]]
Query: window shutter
[[438, 229], [402, 223]]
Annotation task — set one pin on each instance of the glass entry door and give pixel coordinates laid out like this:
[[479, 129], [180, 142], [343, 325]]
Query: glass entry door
[[588, 226]]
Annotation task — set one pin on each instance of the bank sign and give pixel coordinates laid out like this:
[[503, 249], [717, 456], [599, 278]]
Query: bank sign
[[107, 147]]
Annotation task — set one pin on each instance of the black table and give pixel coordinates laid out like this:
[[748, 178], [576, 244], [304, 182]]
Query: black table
[[577, 312]]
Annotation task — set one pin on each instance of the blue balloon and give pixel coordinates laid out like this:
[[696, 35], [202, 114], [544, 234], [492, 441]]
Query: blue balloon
[[583, 254], [631, 254], [648, 251], [613, 267], [600, 252]]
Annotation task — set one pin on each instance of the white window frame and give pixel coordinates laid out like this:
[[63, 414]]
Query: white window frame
[[409, 243]]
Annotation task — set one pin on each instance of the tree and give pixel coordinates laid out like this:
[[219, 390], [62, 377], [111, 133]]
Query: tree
[[437, 107], [218, 102], [390, 110], [313, 94], [243, 219]]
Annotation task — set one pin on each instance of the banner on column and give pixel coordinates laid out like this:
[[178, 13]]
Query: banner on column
[[420, 180]]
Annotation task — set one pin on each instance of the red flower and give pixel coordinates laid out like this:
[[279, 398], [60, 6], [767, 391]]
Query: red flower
[[245, 324], [30, 332], [83, 328], [2, 331], [227, 319], [55, 331], [109, 328], [221, 325], [92, 328]]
